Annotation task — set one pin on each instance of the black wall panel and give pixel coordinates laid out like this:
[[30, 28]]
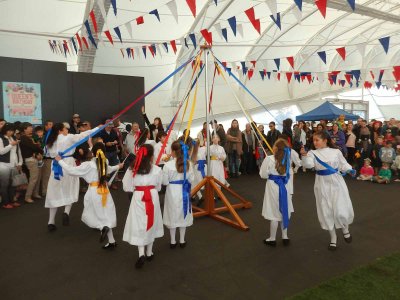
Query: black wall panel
[[94, 96]]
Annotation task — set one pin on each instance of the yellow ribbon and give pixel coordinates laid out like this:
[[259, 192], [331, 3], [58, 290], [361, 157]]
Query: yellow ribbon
[[248, 116], [213, 157], [192, 111], [101, 190]]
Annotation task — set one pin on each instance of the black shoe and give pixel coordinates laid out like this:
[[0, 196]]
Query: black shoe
[[270, 243], [173, 246], [103, 235], [286, 242], [140, 262], [150, 258], [348, 238], [110, 246], [332, 247], [51, 227], [65, 220], [182, 245]]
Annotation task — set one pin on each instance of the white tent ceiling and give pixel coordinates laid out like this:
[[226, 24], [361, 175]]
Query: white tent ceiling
[[27, 25]]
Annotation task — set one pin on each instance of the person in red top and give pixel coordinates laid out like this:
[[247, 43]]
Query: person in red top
[[366, 172]]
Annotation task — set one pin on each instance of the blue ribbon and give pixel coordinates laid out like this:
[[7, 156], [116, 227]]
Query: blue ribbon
[[281, 181], [286, 161], [85, 139], [186, 189], [45, 140], [201, 164], [329, 169], [57, 169]]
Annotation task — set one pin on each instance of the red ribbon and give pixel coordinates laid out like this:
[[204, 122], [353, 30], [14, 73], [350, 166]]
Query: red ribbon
[[139, 156], [148, 201]]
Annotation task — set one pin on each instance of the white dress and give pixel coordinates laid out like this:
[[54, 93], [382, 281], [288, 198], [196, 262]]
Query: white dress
[[217, 166], [334, 205], [294, 158], [94, 215], [173, 201], [66, 190], [270, 209], [157, 150], [135, 232], [201, 155]]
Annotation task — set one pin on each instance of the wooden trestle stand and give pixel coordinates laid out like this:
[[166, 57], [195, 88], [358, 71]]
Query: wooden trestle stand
[[210, 185]]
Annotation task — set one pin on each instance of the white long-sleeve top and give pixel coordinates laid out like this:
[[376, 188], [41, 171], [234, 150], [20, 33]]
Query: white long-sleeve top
[[15, 153]]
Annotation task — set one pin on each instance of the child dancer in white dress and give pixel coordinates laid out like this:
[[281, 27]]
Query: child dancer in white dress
[[166, 152], [217, 157], [62, 189], [178, 176], [144, 222], [99, 209], [334, 206], [200, 164], [277, 206]]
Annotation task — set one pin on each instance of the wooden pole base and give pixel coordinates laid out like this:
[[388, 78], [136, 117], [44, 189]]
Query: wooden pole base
[[211, 186]]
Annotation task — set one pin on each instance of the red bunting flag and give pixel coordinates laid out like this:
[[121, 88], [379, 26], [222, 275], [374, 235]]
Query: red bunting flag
[[396, 73], [66, 45], [348, 77], [173, 45], [192, 6], [85, 42], [330, 80], [265, 72], [207, 36], [289, 76], [253, 62], [250, 73], [122, 52], [132, 53], [309, 78], [224, 64], [372, 75], [93, 18], [151, 50], [279, 77], [139, 20], [367, 84], [290, 59], [342, 52], [79, 41], [321, 4], [108, 35], [256, 22]]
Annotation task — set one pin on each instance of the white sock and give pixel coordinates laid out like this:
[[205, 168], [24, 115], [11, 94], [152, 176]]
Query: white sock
[[345, 229], [182, 231], [141, 251], [52, 215], [67, 209], [149, 249], [333, 236], [284, 232], [110, 236], [273, 227], [172, 232]]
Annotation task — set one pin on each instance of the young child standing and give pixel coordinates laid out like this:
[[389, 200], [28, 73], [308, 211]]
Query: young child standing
[[396, 164], [217, 157], [166, 152], [178, 176], [99, 209], [376, 159], [144, 222], [334, 206], [277, 206], [366, 172]]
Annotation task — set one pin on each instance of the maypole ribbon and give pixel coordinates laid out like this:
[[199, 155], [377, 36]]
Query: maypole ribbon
[[128, 107], [192, 111], [102, 189], [248, 117], [244, 87], [172, 123]]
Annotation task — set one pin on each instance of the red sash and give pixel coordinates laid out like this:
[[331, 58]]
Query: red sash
[[148, 201]]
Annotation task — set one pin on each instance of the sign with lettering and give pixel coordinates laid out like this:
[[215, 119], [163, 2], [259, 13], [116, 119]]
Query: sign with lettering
[[22, 102]]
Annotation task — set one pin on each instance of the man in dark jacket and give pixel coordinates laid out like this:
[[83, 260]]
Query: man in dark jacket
[[273, 134]]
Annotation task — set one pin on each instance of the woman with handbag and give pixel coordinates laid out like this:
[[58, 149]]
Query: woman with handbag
[[10, 160]]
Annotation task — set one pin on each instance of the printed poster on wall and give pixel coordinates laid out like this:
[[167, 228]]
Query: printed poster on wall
[[22, 102]]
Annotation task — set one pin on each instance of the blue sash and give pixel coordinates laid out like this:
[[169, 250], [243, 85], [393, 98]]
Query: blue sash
[[186, 188], [281, 181], [329, 169], [57, 169], [200, 166]]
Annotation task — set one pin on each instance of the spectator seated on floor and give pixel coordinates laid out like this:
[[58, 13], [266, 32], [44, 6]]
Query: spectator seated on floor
[[384, 175]]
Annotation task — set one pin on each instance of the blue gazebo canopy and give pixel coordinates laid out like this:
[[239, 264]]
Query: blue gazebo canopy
[[326, 111]]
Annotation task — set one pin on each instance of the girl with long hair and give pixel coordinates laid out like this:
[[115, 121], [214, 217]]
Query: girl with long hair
[[144, 222], [178, 176], [62, 189], [154, 128], [334, 206], [99, 208], [277, 206]]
